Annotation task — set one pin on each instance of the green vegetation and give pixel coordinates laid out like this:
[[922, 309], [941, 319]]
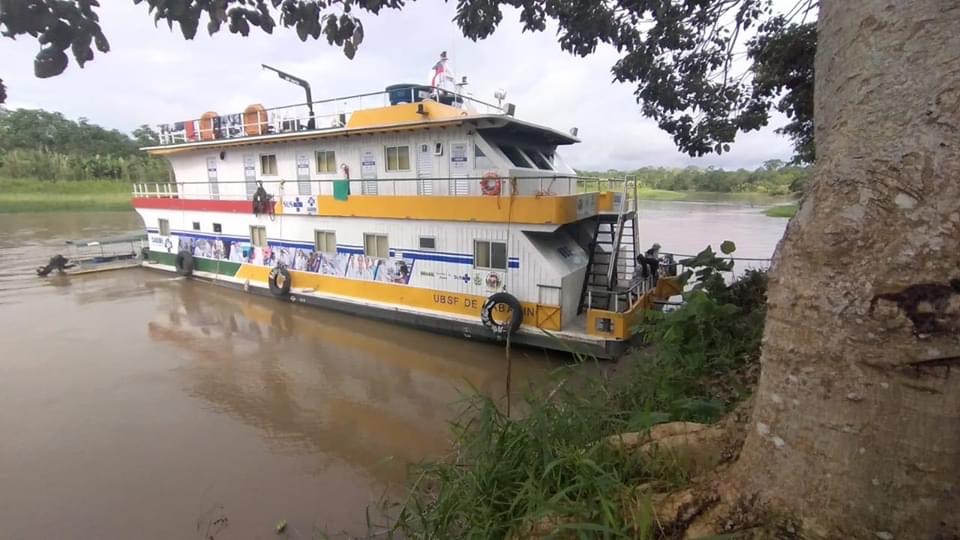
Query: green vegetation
[[32, 195], [47, 146], [773, 178], [782, 211], [509, 474]]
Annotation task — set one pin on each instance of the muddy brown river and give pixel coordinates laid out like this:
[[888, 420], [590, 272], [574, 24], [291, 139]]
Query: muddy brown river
[[136, 404]]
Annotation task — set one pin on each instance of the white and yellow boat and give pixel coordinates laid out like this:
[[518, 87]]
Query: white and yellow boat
[[418, 205]]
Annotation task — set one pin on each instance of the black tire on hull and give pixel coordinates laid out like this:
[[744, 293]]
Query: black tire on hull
[[507, 327], [184, 263], [279, 281]]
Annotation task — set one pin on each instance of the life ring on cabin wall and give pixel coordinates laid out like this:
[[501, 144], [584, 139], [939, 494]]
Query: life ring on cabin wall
[[501, 328], [491, 184]]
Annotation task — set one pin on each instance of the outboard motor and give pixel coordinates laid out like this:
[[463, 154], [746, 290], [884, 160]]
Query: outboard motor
[[57, 262]]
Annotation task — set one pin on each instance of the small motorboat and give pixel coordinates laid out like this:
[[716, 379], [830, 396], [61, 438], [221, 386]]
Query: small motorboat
[[99, 255]]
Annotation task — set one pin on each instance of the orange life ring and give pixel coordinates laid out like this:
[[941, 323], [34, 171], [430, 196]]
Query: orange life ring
[[490, 184]]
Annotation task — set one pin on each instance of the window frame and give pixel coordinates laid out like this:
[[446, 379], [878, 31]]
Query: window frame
[[532, 154], [377, 237], [386, 158], [420, 243], [276, 165], [332, 155], [316, 240], [505, 150], [489, 252], [163, 226], [253, 237]]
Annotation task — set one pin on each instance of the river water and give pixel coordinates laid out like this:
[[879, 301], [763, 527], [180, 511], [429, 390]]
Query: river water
[[134, 404]]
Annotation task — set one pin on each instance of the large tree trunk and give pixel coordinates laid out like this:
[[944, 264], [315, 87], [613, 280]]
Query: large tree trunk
[[856, 428]]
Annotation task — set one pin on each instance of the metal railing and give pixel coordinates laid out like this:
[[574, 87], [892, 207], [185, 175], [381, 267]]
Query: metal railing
[[538, 186], [328, 114], [620, 300]]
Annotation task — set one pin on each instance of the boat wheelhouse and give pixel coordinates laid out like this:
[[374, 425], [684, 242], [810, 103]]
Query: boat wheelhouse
[[417, 205]]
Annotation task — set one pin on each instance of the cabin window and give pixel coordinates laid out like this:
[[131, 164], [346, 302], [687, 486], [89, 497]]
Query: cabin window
[[538, 159], [490, 255], [325, 241], [258, 236], [164, 226], [217, 228], [480, 159], [326, 161], [515, 156], [428, 242], [196, 225], [398, 158], [268, 165], [375, 245]]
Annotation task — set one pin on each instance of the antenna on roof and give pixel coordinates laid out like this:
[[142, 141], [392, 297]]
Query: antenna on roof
[[299, 82]]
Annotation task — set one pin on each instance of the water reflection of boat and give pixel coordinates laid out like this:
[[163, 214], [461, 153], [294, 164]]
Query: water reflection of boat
[[346, 390]]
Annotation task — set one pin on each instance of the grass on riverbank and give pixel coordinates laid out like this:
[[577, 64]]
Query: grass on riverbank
[[21, 195], [508, 475], [782, 211]]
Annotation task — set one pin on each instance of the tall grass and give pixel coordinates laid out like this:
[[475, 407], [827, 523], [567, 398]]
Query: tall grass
[[38, 164], [508, 474], [31, 195]]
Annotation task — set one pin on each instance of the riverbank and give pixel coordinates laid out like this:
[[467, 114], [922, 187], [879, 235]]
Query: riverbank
[[782, 211], [28, 195]]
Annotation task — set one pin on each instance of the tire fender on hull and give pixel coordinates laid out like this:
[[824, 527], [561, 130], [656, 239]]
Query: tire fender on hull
[[501, 329], [279, 281], [184, 263]]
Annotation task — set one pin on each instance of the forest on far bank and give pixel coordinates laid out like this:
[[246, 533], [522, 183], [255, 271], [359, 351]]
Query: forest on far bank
[[774, 177], [47, 146]]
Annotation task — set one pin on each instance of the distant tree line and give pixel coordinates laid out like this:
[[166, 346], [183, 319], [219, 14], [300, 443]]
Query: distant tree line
[[774, 177], [45, 145]]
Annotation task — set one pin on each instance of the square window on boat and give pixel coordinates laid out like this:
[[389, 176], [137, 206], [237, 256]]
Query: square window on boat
[[268, 165], [397, 158], [217, 227], [164, 226], [375, 245], [258, 236], [326, 161], [428, 242], [325, 241], [196, 225], [515, 156], [492, 255], [480, 159]]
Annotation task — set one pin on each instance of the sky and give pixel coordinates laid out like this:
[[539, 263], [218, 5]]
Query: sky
[[153, 76]]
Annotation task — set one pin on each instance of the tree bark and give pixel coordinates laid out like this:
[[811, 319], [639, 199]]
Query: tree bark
[[856, 428]]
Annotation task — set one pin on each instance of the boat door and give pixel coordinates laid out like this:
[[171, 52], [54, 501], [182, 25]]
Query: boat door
[[212, 178], [250, 174], [425, 169], [303, 175], [368, 172], [459, 169]]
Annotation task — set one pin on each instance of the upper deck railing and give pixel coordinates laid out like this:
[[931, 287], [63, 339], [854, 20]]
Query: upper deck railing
[[327, 114]]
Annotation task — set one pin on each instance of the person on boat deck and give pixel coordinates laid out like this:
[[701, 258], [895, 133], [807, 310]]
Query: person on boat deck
[[650, 262]]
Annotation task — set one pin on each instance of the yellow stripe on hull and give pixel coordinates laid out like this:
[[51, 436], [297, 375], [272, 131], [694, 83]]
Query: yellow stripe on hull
[[534, 315]]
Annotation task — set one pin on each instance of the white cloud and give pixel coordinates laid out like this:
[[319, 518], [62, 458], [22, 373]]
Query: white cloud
[[154, 76]]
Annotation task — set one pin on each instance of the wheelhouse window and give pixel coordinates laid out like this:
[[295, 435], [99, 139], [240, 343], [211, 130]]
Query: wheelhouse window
[[490, 255], [428, 242], [258, 235], [397, 158], [480, 159], [375, 245], [538, 159], [268, 165], [325, 241], [164, 226], [515, 156], [326, 161]]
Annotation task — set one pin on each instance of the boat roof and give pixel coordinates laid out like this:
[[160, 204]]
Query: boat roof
[[107, 240], [408, 116]]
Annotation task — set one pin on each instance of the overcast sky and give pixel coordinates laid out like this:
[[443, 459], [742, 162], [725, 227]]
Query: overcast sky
[[152, 76]]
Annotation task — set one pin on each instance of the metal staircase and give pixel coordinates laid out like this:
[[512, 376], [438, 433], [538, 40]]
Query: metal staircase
[[613, 253]]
